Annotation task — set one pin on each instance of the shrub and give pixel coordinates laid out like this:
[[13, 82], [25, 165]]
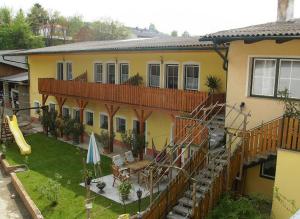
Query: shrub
[[135, 80], [103, 138], [213, 83]]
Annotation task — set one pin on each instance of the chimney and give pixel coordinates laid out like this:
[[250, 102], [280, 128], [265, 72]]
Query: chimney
[[285, 10]]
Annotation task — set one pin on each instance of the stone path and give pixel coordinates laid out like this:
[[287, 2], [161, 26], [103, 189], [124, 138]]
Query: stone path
[[10, 208]]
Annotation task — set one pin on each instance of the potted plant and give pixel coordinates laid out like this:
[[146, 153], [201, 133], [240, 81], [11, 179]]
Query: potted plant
[[135, 80], [53, 123], [124, 189], [88, 176], [128, 138], [101, 185], [67, 127], [213, 83], [77, 130]]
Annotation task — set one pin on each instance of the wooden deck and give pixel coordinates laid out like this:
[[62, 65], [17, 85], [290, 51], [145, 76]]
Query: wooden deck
[[123, 94]]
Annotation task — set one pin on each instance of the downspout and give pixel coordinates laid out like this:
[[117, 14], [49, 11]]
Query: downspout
[[223, 56]]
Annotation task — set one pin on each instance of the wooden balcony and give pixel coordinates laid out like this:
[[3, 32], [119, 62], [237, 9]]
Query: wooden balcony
[[139, 96]]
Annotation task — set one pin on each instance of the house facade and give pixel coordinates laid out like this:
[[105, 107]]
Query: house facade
[[262, 61], [173, 70]]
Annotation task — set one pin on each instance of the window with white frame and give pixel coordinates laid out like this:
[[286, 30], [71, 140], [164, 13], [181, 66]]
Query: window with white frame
[[98, 70], [60, 71], [120, 125], [65, 112], [124, 72], [263, 78], [89, 118], [172, 76], [154, 75], [103, 121], [76, 115], [51, 107], [36, 104], [289, 77], [191, 77], [69, 71], [111, 71], [271, 75]]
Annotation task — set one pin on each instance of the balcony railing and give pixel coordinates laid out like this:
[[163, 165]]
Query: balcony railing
[[166, 99]]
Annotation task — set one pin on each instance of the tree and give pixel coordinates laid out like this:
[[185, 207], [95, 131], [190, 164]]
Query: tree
[[37, 17], [109, 30], [174, 33], [185, 34], [74, 24], [152, 28], [84, 34], [5, 16]]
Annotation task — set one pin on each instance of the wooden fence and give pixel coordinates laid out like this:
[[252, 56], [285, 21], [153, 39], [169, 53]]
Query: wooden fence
[[167, 99], [283, 132], [168, 198]]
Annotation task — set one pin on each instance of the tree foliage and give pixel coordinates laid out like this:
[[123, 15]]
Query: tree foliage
[[37, 17], [174, 33]]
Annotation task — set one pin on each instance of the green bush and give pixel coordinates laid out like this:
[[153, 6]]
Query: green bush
[[241, 208]]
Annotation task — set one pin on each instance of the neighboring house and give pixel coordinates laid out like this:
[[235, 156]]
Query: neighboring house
[[137, 32], [174, 72], [14, 86], [262, 60]]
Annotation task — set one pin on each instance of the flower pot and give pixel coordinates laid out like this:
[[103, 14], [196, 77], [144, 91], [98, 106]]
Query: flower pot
[[88, 181], [124, 197], [101, 186]]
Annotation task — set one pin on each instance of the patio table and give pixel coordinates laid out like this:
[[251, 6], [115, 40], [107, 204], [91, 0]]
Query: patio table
[[138, 166]]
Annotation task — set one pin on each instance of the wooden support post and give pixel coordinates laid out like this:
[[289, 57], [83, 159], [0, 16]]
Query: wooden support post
[[60, 100], [194, 199], [151, 185], [44, 99], [111, 110], [228, 180], [142, 116], [81, 104]]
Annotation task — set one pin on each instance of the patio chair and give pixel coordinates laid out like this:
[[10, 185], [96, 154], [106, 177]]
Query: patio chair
[[119, 171], [129, 157], [120, 174]]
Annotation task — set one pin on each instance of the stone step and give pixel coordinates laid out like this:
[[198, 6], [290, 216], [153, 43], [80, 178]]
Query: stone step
[[189, 194], [173, 215], [202, 188], [184, 211], [185, 201]]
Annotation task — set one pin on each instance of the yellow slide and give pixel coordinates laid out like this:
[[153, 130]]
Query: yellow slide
[[19, 138]]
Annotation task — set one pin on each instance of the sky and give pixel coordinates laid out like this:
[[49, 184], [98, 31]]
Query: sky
[[198, 17]]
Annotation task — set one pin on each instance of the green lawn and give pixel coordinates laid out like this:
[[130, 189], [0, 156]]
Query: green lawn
[[50, 156]]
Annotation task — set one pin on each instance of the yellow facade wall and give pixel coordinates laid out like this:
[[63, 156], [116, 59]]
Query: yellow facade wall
[[287, 181], [238, 81], [256, 185], [159, 124]]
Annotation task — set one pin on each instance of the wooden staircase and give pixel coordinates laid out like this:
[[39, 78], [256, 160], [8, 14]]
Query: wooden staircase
[[6, 134]]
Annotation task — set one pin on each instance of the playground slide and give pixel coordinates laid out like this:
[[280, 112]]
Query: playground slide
[[19, 138]]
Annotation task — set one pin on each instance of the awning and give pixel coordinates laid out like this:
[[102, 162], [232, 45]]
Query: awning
[[17, 78]]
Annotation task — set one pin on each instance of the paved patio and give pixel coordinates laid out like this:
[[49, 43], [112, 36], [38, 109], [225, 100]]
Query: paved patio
[[112, 193]]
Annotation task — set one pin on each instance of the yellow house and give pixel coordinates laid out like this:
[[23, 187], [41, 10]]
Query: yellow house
[[86, 81], [263, 60]]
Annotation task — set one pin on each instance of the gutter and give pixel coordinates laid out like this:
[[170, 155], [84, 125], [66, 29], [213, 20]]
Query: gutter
[[24, 63]]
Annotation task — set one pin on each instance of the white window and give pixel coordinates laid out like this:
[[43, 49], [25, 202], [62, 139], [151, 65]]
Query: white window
[[172, 76], [289, 77], [98, 69], [191, 77], [36, 104], [120, 124], [69, 70], [76, 115], [154, 75], [103, 121], [124, 71], [51, 107], [60, 71], [65, 112], [263, 78], [89, 118], [111, 70]]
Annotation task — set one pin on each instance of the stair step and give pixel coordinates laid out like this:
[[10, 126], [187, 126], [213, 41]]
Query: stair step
[[173, 215], [184, 211], [204, 180], [189, 194], [202, 189], [185, 201]]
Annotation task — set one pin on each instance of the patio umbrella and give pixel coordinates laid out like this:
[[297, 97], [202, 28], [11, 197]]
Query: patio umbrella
[[93, 155]]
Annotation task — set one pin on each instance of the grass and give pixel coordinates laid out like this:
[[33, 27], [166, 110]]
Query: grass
[[50, 156]]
